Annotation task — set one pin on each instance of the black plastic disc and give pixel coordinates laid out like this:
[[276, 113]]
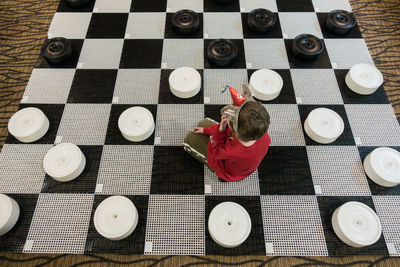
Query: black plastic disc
[[78, 3], [340, 22], [57, 50], [222, 52], [185, 21], [261, 20], [307, 47], [224, 2]]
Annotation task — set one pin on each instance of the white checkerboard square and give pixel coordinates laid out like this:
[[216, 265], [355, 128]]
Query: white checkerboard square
[[116, 6], [175, 5], [249, 5], [70, 25], [216, 25], [101, 53], [328, 6], [295, 23], [345, 53], [154, 29], [266, 53], [183, 52]]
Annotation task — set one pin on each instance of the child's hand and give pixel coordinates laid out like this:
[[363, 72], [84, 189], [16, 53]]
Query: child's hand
[[198, 130], [223, 124]]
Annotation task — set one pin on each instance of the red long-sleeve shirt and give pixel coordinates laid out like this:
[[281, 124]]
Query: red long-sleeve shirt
[[231, 160]]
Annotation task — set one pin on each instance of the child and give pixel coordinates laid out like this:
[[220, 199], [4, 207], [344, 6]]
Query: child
[[235, 147]]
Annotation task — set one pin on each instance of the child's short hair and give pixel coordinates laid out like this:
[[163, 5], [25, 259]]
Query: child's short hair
[[253, 121]]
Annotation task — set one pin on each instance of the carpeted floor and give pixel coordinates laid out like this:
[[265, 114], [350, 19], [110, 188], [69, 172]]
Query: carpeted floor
[[23, 28]]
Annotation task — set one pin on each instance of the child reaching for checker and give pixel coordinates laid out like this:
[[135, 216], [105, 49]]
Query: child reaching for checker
[[235, 147]]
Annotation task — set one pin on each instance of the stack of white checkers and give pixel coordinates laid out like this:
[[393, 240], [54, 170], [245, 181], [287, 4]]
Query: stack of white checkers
[[323, 125], [136, 124], [265, 84], [382, 166], [28, 125], [356, 224], [229, 224], [9, 214], [364, 79], [185, 82], [116, 218]]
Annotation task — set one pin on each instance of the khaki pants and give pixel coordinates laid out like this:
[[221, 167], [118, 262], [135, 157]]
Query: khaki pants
[[196, 144]]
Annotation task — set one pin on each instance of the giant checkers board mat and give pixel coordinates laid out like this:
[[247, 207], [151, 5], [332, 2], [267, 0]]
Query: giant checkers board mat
[[124, 52]]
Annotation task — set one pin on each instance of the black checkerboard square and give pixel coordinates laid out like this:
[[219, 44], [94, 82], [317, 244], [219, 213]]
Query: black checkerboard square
[[287, 95], [141, 54], [211, 6], [85, 182], [275, 32], [354, 33], [107, 25], [53, 112], [114, 136], [133, 244], [213, 112], [76, 45], [239, 63], [65, 7], [327, 205], [285, 171], [15, 239], [167, 97], [170, 33], [345, 139], [375, 188], [295, 6], [175, 172], [149, 6], [323, 62], [93, 86], [350, 97], [254, 244]]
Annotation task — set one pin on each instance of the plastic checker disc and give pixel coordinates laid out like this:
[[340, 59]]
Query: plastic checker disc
[[64, 162], [364, 79], [9, 213], [356, 224], [136, 124], [28, 125], [116, 218], [265, 84], [229, 224], [324, 125], [185, 82], [382, 166]]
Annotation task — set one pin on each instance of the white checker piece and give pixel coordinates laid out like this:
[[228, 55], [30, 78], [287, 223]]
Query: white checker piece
[[50, 86], [388, 210], [70, 25], [295, 23], [126, 170], [154, 29], [175, 5], [292, 226], [328, 6], [116, 6], [101, 53], [216, 25], [338, 170], [285, 128], [214, 78], [175, 120], [27, 176], [60, 223], [183, 52], [249, 5], [259, 57], [316, 86], [84, 124], [375, 125], [137, 86], [246, 187], [175, 225], [348, 52]]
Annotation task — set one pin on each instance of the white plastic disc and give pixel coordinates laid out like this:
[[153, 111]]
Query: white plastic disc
[[185, 82], [136, 124], [28, 125], [116, 218], [323, 125], [382, 166], [364, 79], [229, 224], [265, 84], [64, 162], [356, 224], [9, 214]]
